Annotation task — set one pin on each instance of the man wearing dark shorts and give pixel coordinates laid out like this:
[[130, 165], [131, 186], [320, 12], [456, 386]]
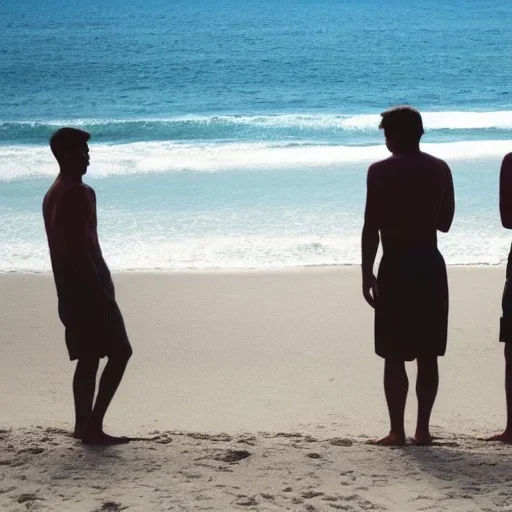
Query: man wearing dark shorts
[[94, 326], [409, 197], [506, 319]]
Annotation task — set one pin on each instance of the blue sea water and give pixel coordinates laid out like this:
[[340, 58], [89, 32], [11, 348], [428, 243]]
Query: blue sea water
[[238, 133]]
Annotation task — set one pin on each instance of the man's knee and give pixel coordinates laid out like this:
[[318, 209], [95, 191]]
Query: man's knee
[[88, 363], [427, 362], [121, 356], [392, 364], [128, 353]]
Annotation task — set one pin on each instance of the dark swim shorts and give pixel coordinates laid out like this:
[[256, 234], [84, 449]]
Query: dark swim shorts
[[506, 317], [89, 332], [411, 310]]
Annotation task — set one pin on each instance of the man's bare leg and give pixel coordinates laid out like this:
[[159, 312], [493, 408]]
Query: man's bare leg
[[506, 435], [396, 386], [84, 385], [109, 382], [427, 383]]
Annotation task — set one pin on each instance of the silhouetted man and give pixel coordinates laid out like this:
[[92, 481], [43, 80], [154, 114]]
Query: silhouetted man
[[506, 319], [409, 197], [93, 322]]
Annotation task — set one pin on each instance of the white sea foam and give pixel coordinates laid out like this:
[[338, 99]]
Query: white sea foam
[[21, 162], [447, 120], [453, 120], [125, 253]]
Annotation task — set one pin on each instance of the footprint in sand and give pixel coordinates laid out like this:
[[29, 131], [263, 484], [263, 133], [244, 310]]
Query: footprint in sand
[[190, 476], [111, 506], [224, 469], [246, 501], [28, 497], [340, 441], [35, 450], [232, 455], [163, 439], [226, 438], [312, 494], [330, 498], [250, 440], [288, 434]]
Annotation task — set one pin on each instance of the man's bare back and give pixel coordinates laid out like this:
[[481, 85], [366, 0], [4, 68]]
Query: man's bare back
[[411, 198]]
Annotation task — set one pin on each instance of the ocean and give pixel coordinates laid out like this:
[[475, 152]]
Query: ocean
[[237, 134]]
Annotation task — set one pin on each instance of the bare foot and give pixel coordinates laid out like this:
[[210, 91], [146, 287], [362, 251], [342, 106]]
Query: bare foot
[[100, 438], [391, 439], [422, 439], [506, 437], [79, 431]]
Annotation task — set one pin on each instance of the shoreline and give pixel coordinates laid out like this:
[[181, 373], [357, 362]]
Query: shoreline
[[250, 270]]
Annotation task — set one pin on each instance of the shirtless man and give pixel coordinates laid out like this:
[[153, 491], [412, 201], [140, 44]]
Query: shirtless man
[[506, 319], [409, 197], [94, 326]]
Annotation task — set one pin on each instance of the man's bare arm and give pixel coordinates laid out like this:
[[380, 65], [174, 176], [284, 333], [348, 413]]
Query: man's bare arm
[[74, 213], [506, 192], [99, 261], [370, 238], [447, 209]]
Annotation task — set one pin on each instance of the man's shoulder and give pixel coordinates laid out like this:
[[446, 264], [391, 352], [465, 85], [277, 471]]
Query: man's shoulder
[[77, 190], [385, 163], [390, 165], [382, 167], [434, 160], [507, 159], [69, 198]]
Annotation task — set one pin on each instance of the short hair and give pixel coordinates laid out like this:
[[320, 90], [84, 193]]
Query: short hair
[[66, 139], [403, 122]]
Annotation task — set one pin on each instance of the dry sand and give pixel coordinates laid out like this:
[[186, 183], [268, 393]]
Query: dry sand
[[252, 390]]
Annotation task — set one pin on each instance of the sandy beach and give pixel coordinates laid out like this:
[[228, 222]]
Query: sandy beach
[[250, 390]]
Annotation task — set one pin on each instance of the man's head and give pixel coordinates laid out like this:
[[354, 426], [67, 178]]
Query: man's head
[[403, 128], [69, 146]]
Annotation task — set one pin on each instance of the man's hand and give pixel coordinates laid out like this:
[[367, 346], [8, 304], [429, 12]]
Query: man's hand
[[370, 289]]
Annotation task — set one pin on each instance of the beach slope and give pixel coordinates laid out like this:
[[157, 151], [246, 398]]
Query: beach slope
[[250, 390]]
